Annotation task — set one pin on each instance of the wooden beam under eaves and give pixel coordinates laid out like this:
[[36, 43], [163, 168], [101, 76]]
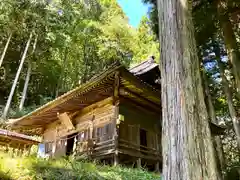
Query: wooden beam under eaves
[[66, 121], [125, 92]]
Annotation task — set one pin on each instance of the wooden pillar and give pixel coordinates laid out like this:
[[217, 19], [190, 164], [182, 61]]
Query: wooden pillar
[[116, 124], [116, 158], [115, 120], [29, 150], [7, 148], [90, 140], [18, 150], [138, 136], [13, 152], [75, 146], [24, 149], [21, 151], [139, 163], [157, 167], [156, 145], [91, 130], [54, 143], [116, 86]]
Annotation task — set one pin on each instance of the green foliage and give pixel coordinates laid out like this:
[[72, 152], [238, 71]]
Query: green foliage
[[211, 52], [33, 168], [145, 42], [205, 17], [153, 14]]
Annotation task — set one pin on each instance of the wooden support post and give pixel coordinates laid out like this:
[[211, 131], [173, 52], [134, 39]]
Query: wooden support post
[[157, 146], [115, 120], [21, 151], [91, 145], [138, 136], [13, 152], [75, 146], [18, 150], [29, 150], [116, 87], [139, 163], [91, 130], [157, 167], [115, 158], [54, 143], [115, 137], [7, 148], [24, 149]]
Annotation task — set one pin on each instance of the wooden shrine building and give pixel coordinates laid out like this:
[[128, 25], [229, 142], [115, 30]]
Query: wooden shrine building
[[114, 117], [16, 141]]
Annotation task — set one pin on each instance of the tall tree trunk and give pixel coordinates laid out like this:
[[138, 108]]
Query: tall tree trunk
[[228, 93], [230, 42], [85, 59], [16, 77], [220, 159], [188, 152], [61, 79], [24, 93], [5, 49]]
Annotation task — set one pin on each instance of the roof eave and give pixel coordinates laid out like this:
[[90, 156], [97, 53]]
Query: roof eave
[[66, 96]]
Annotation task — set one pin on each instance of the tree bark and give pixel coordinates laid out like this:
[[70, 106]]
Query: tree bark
[[85, 59], [188, 152], [61, 78], [232, 111], [230, 42], [5, 49], [219, 154], [16, 77], [24, 93]]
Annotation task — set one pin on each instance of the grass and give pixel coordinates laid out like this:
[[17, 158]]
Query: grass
[[32, 168]]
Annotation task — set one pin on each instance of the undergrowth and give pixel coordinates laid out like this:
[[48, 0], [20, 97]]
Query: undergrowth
[[32, 168]]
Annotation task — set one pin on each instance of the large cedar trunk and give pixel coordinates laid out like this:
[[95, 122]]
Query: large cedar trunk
[[231, 108], [186, 139], [230, 42], [219, 154]]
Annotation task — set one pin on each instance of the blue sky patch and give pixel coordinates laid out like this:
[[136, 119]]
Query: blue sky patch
[[134, 9]]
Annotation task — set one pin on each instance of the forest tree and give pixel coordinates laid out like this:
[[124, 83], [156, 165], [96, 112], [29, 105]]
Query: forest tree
[[187, 145]]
